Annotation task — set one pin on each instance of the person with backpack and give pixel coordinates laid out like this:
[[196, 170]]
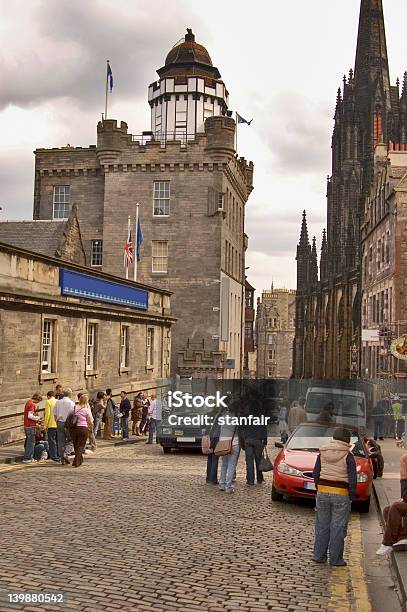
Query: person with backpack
[[79, 422], [335, 478], [61, 410]]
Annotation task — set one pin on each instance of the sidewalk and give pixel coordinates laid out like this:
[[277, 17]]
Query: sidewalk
[[387, 490], [14, 453]]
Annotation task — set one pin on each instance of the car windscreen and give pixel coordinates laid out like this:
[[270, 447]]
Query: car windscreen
[[311, 438], [344, 405]]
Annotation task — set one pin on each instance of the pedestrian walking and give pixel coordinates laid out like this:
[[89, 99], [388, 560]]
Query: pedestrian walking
[[335, 478], [397, 408], [125, 409], [376, 457], [98, 409], [253, 440], [31, 418], [136, 414], [378, 413], [50, 426], [213, 432], [296, 416], [61, 410], [228, 437], [395, 516], [155, 416], [145, 402], [282, 420], [108, 416], [80, 430]]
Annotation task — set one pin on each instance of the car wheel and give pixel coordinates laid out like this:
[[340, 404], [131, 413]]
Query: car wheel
[[166, 450], [275, 495], [363, 506]]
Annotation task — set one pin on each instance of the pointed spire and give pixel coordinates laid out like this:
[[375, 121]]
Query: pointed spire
[[371, 52], [314, 261], [304, 240]]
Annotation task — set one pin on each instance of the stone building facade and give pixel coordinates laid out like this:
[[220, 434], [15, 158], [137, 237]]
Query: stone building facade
[[191, 192], [384, 262], [275, 330], [60, 322], [369, 110], [249, 347]]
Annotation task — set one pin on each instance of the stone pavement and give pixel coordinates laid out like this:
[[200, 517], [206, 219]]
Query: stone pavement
[[387, 490], [134, 529]]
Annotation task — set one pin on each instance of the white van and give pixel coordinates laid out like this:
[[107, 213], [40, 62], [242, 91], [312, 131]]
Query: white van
[[349, 405]]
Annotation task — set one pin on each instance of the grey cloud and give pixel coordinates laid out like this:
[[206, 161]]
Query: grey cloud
[[16, 185], [67, 44], [278, 235], [298, 134]]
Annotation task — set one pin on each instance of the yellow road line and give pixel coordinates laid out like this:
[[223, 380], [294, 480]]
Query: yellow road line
[[348, 585]]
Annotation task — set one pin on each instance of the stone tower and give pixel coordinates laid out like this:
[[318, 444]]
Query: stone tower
[[192, 193], [368, 111]]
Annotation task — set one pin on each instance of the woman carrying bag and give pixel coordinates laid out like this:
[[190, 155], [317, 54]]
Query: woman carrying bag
[[228, 448], [79, 422]]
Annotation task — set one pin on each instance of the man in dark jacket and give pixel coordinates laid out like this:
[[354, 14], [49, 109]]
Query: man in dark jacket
[[125, 409], [253, 439]]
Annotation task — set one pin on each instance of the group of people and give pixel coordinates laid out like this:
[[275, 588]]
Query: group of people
[[226, 441], [387, 418], [68, 425]]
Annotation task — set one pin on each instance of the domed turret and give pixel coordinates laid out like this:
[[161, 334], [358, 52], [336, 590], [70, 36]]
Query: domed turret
[[188, 91], [189, 57]]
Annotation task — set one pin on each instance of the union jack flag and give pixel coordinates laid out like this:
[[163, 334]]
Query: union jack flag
[[128, 256]]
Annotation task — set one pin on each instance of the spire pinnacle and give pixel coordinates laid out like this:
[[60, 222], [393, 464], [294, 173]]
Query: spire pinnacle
[[371, 52], [304, 240], [404, 90]]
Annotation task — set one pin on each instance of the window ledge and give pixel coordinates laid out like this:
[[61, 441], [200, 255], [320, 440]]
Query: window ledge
[[123, 370], [149, 368], [160, 273], [48, 376], [89, 373]]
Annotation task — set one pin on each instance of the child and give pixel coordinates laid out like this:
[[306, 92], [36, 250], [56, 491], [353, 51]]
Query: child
[[335, 478]]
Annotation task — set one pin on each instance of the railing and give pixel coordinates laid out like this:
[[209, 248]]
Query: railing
[[164, 137]]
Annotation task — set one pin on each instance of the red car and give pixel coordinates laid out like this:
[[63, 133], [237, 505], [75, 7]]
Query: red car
[[293, 466]]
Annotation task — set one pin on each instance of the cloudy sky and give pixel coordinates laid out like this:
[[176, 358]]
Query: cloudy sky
[[281, 61]]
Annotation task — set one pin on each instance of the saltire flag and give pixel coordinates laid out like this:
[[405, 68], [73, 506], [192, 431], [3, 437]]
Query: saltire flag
[[139, 239], [241, 119], [110, 77], [128, 251]]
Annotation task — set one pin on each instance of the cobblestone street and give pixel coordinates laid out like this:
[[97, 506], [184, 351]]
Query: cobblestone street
[[138, 530]]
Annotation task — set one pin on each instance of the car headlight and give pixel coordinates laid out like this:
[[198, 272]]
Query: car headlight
[[167, 431], [283, 468], [363, 477]]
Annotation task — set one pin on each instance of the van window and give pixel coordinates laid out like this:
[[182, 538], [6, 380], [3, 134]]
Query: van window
[[345, 405]]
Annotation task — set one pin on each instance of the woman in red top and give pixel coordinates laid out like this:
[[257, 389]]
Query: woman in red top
[[31, 419]]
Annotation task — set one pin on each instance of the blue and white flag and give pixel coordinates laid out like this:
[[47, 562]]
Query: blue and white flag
[[109, 77], [139, 239], [241, 119]]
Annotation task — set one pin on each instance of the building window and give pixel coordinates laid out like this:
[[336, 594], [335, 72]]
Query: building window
[[96, 254], [270, 339], [270, 371], [47, 353], [161, 198], [271, 354], [248, 330], [124, 347], [91, 347], [160, 256], [61, 201], [150, 347]]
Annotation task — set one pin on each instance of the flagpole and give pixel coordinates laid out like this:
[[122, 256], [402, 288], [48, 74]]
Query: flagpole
[[128, 234], [107, 80], [237, 123], [136, 245]]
